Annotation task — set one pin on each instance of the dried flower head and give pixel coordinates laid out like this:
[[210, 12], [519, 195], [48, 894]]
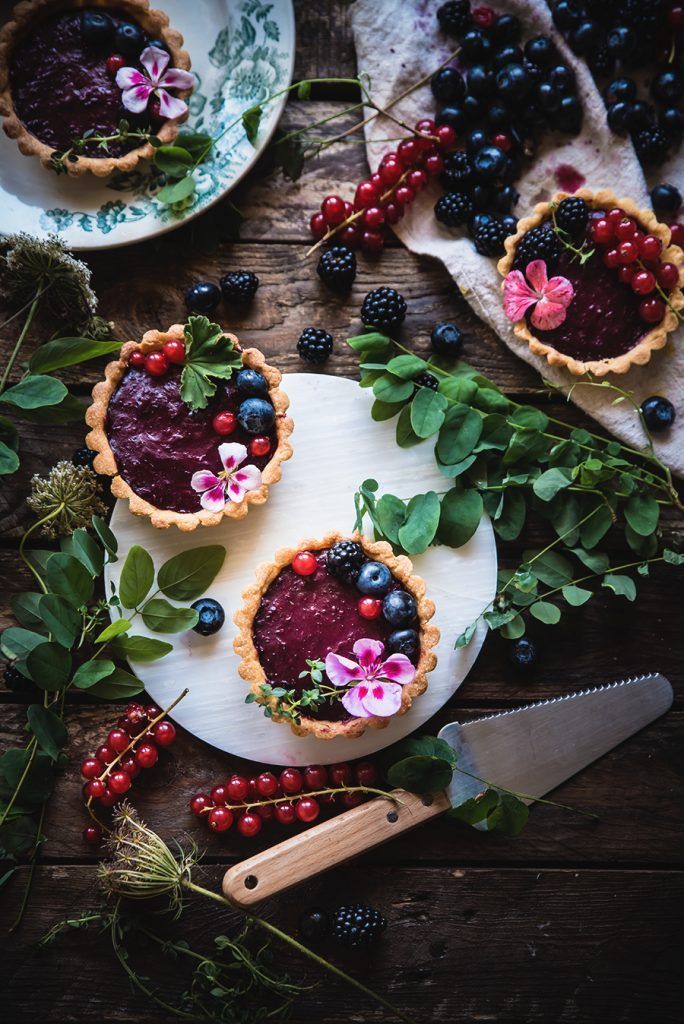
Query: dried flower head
[[70, 494], [43, 265], [142, 866]]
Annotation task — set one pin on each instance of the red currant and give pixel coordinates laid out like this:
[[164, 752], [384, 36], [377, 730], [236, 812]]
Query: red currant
[[317, 226], [91, 767], [625, 229], [105, 754], [628, 251], [614, 216], [332, 209], [174, 350], [220, 819], [285, 813], [352, 799], [114, 63], [249, 824], [643, 282], [376, 179], [348, 209], [96, 788], [119, 782], [156, 364], [667, 275], [677, 235], [291, 780], [652, 310], [118, 740], [315, 777], [650, 247], [372, 242], [219, 795], [253, 791], [259, 446], [350, 235], [602, 230], [92, 834], [369, 607], [224, 423], [198, 804], [426, 127], [147, 755], [408, 152], [611, 259], [304, 563], [128, 764], [265, 811], [417, 180], [391, 172], [136, 359], [434, 164], [366, 195], [393, 213], [485, 17], [237, 788], [267, 785], [447, 136], [134, 719], [164, 733], [307, 809], [373, 217], [502, 141], [404, 195], [108, 798], [341, 774], [366, 773], [625, 274]]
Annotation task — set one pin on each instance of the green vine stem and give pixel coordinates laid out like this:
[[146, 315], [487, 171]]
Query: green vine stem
[[20, 340]]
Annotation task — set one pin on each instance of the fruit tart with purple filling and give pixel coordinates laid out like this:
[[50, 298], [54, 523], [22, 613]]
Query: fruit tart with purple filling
[[592, 282], [335, 636], [191, 428], [84, 88]]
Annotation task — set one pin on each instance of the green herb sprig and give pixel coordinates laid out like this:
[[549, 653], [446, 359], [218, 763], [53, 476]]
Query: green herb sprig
[[93, 140], [209, 356]]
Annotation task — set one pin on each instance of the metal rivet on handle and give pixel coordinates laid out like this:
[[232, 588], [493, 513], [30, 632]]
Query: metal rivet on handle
[[251, 882], [427, 800], [392, 816]]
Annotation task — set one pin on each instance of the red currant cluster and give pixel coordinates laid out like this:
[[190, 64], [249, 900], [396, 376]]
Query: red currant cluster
[[384, 197], [131, 746], [636, 257], [156, 363], [294, 796]]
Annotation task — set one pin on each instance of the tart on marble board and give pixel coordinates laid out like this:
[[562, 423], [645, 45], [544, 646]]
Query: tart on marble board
[[600, 296], [185, 445], [67, 69], [343, 617]]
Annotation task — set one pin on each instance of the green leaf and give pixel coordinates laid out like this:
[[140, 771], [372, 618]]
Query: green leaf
[[459, 434], [113, 630], [9, 460], [173, 160], [466, 636], [460, 514], [188, 575], [34, 392], [38, 778], [18, 835], [427, 412], [475, 810], [69, 410], [177, 191], [91, 672], [406, 366], [496, 618], [140, 648], [381, 411], [422, 520], [576, 596], [390, 515], [69, 578], [551, 482], [597, 527], [623, 586], [105, 534], [491, 400], [82, 546], [458, 389], [431, 746], [391, 389], [406, 437], [420, 773], [55, 355], [673, 557], [119, 685], [371, 344], [48, 728], [49, 666], [61, 618], [545, 612], [529, 418], [642, 513], [251, 119], [644, 547], [509, 816], [209, 354], [512, 512], [550, 567], [198, 143], [513, 629], [137, 577], [16, 642], [26, 610], [596, 561], [162, 617]]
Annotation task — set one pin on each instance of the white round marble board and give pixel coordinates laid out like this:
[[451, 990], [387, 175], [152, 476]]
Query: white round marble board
[[241, 53], [336, 446]]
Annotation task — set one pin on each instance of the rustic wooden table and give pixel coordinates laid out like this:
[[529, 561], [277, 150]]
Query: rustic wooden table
[[576, 920]]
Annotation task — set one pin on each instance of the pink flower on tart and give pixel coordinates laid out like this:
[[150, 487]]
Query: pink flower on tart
[[231, 484], [377, 683], [550, 297], [138, 87]]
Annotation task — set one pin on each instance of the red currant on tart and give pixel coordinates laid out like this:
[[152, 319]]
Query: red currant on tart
[[304, 563], [174, 350], [156, 364]]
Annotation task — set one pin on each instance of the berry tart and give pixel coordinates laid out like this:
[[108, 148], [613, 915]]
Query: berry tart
[[335, 636], [191, 428], [592, 282], [71, 74]]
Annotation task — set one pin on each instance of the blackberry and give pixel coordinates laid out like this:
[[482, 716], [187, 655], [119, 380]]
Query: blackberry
[[427, 380], [453, 209], [383, 308], [345, 559], [644, 15], [538, 243], [358, 925], [651, 145], [454, 17], [239, 286], [458, 171], [602, 62], [315, 345], [337, 268], [83, 457], [572, 216], [489, 239]]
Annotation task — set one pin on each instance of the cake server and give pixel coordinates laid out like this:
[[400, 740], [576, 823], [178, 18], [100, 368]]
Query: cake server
[[529, 750]]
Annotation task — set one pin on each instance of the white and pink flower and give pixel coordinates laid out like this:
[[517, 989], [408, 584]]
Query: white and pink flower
[[138, 87], [377, 683], [550, 297], [231, 484]]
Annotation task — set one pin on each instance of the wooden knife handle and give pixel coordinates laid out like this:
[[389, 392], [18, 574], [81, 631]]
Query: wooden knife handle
[[328, 844]]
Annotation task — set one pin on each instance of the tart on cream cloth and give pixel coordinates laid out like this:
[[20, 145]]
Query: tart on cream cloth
[[294, 618], [640, 339], [164, 457]]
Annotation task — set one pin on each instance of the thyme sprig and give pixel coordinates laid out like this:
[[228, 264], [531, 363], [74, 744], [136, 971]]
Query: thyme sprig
[[95, 140]]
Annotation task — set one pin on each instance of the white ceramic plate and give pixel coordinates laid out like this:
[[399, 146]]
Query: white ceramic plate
[[336, 446], [241, 51]]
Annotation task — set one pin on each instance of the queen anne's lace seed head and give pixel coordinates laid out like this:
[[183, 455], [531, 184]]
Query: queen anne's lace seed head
[[71, 494], [33, 266]]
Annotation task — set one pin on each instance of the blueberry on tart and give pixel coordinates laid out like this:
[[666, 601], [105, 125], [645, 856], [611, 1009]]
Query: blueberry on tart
[[191, 428], [335, 636], [592, 282], [83, 87]]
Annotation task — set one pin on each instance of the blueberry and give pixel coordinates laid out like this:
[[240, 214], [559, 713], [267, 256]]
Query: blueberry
[[481, 81], [476, 140], [658, 413], [96, 27], [475, 46], [314, 924], [203, 297], [256, 416], [569, 117], [563, 78], [642, 116], [404, 641], [506, 55], [541, 51], [374, 579], [158, 43], [489, 163], [549, 97], [506, 198], [585, 37], [621, 89], [667, 87], [481, 196], [671, 120], [621, 41], [510, 224], [506, 29], [399, 608], [251, 382], [447, 340], [523, 654], [513, 82], [567, 14], [473, 109], [447, 86], [511, 170], [129, 39], [666, 199], [454, 116], [211, 616], [498, 115], [619, 115]]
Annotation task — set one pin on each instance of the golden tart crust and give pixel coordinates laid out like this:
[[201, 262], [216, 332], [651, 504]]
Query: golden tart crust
[[250, 668], [156, 23], [105, 460], [653, 339]]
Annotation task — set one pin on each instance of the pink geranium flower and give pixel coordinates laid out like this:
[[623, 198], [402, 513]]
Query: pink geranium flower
[[231, 484], [550, 298], [138, 87], [378, 683]]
